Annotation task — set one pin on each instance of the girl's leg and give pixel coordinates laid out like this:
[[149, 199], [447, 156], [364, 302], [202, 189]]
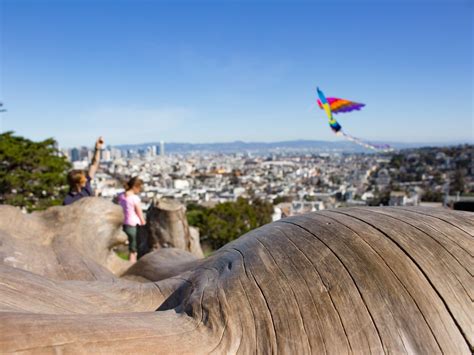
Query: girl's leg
[[132, 242]]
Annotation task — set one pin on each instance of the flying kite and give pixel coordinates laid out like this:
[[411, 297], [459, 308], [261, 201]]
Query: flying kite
[[334, 105]]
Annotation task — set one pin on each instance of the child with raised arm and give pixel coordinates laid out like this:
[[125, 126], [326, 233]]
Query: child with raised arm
[[132, 210], [80, 181]]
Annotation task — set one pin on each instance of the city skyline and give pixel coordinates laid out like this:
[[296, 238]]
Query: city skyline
[[207, 72]]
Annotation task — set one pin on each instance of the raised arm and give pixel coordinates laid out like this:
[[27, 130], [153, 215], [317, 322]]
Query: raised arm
[[99, 144]]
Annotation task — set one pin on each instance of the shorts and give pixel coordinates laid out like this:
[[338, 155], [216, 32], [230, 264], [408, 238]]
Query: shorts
[[131, 233]]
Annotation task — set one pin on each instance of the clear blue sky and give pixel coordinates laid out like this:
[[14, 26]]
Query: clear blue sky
[[140, 71]]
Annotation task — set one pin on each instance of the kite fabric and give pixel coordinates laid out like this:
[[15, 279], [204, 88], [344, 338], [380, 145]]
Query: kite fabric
[[341, 105], [334, 105]]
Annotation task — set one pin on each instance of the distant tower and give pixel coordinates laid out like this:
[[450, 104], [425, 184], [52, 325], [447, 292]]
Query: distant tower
[[83, 153], [106, 155], [75, 154], [162, 148]]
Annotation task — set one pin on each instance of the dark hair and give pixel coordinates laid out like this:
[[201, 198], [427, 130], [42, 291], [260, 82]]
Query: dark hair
[[133, 182]]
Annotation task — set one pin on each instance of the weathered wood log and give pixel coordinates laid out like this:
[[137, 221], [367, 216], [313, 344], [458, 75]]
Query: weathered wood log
[[162, 264], [356, 280], [72, 242], [167, 227]]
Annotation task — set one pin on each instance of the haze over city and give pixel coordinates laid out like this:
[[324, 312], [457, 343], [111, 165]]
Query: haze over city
[[215, 72]]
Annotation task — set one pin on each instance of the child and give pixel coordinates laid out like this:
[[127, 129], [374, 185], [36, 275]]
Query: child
[[80, 182], [132, 210]]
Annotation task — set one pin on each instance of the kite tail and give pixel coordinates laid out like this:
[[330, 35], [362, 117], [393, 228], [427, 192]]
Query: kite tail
[[377, 147]]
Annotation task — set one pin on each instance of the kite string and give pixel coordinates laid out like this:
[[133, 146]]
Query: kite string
[[366, 144]]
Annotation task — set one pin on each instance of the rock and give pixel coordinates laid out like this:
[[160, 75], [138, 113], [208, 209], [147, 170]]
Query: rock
[[167, 227], [355, 280]]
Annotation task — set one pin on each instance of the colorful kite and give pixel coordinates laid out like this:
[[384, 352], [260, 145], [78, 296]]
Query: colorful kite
[[334, 105]]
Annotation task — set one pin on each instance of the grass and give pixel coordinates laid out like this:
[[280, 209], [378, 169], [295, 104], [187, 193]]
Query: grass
[[122, 254]]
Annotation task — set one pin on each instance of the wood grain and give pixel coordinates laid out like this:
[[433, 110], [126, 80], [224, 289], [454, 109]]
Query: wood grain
[[356, 280]]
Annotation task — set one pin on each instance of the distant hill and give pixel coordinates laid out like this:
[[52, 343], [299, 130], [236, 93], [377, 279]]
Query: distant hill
[[294, 145]]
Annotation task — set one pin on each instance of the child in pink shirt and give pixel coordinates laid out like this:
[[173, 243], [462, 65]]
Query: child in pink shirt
[[132, 210]]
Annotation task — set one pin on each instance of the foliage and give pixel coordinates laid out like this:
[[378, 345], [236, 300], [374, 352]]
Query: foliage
[[381, 198], [32, 174], [229, 220], [432, 196], [279, 199], [457, 184], [397, 161]]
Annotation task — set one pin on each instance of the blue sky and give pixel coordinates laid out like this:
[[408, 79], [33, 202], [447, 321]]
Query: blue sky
[[197, 71]]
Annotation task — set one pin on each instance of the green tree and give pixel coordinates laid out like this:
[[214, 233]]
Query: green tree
[[229, 220], [32, 174], [432, 196], [263, 210], [397, 161], [197, 217], [280, 199]]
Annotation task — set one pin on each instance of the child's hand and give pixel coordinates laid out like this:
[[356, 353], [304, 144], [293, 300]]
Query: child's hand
[[99, 144]]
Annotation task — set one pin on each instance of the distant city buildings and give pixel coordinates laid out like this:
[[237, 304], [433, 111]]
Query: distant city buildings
[[294, 182]]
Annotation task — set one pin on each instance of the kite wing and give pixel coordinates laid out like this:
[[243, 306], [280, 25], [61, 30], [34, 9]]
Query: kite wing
[[341, 105]]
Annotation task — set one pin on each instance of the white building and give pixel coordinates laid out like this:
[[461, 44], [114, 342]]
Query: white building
[[180, 184]]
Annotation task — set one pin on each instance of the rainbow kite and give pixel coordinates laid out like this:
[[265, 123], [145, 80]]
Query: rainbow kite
[[334, 105]]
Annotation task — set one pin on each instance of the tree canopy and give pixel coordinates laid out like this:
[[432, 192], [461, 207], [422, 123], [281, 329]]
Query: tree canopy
[[32, 174], [229, 220]]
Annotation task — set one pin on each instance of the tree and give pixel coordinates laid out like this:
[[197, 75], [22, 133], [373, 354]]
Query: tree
[[32, 174], [229, 220], [397, 161], [280, 199], [457, 184], [432, 196]]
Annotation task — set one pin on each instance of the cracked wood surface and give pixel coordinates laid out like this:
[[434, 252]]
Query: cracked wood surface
[[355, 280]]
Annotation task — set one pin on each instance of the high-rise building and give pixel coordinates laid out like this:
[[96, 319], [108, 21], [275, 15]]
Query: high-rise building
[[149, 151], [84, 153], [106, 155], [75, 154], [162, 148]]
